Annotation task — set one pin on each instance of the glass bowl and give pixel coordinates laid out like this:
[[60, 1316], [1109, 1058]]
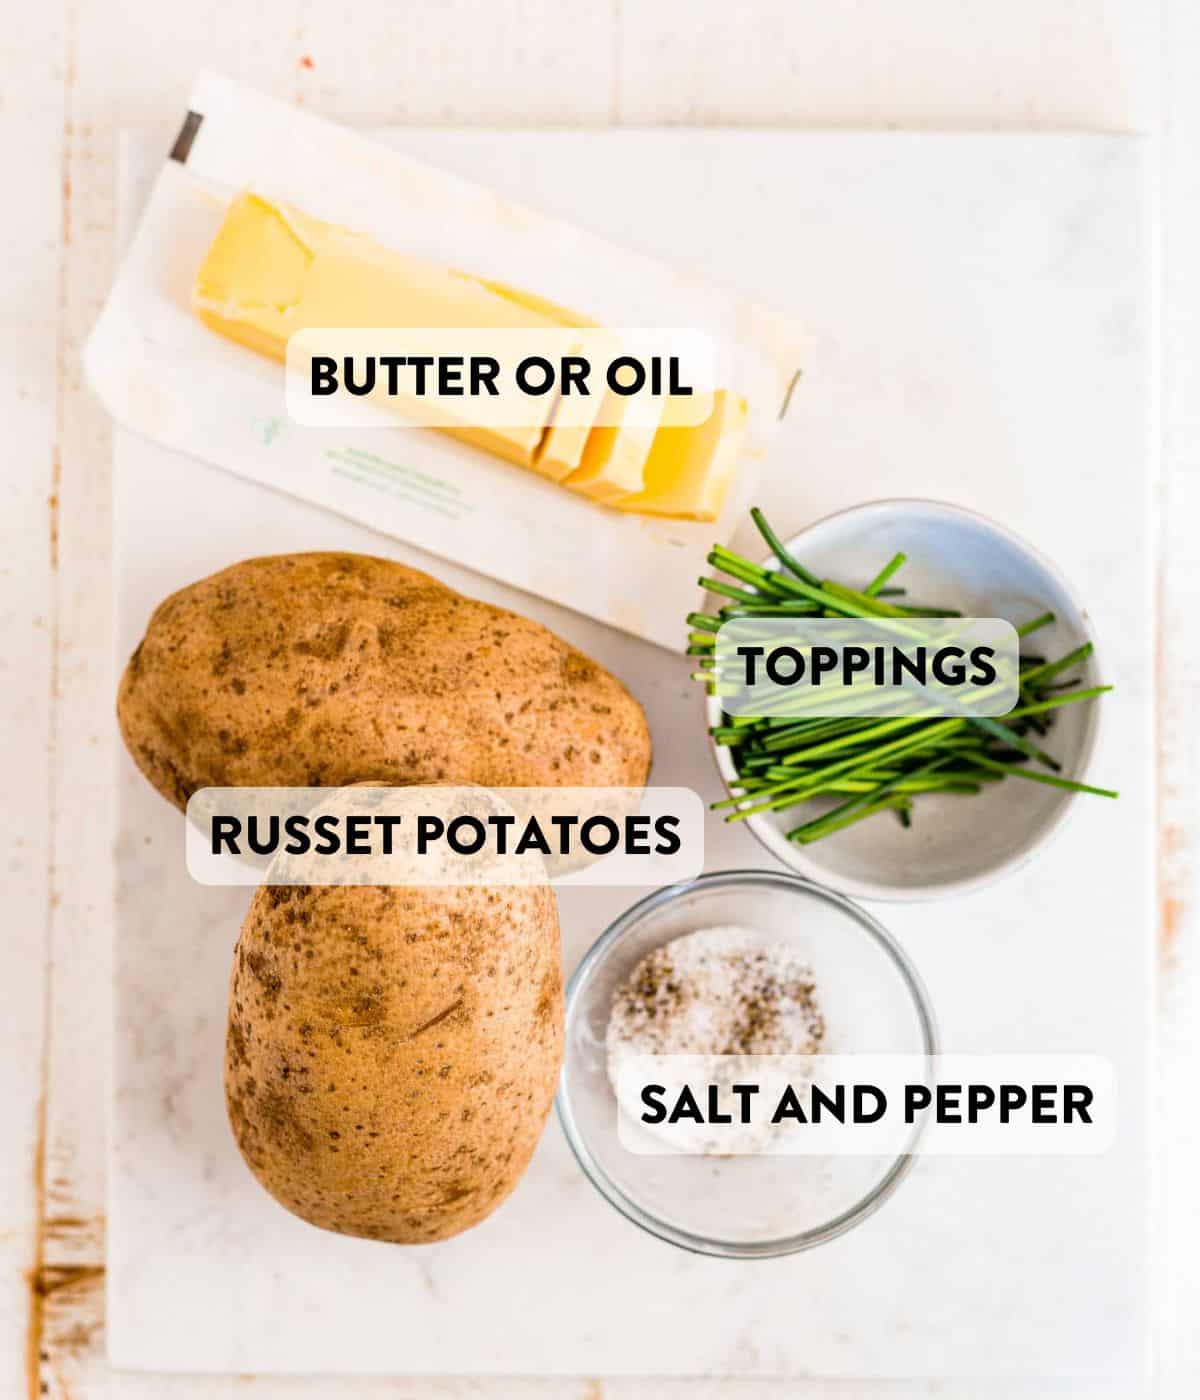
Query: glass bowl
[[747, 1207]]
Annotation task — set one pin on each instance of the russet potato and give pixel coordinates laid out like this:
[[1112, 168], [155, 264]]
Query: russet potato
[[392, 1052], [318, 670]]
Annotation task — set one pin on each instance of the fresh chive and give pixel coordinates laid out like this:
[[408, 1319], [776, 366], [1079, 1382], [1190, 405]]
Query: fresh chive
[[1014, 740], [1050, 780], [875, 587], [1053, 704], [822, 826], [727, 590], [702, 622], [1041, 674], [1043, 621], [871, 607], [776, 546], [896, 803]]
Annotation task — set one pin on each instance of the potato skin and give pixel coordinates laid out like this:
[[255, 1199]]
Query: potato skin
[[318, 670], [392, 1052]]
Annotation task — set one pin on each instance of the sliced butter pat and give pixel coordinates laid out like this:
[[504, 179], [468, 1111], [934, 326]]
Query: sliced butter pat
[[566, 441], [575, 414], [689, 470], [614, 458], [272, 271]]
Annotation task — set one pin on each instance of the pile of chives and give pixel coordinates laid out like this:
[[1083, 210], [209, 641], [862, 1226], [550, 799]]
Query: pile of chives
[[873, 765]]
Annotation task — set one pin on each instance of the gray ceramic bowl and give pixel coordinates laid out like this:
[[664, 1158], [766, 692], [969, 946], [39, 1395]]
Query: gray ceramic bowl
[[955, 844]]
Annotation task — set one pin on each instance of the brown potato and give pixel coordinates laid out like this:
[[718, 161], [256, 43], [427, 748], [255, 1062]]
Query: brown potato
[[300, 670], [392, 1052]]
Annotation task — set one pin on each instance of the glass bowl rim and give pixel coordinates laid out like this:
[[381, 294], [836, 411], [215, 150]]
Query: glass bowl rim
[[623, 1203]]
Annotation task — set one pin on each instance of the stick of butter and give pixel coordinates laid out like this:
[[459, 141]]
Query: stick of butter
[[272, 271]]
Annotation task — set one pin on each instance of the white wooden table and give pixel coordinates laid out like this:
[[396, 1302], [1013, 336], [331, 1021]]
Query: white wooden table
[[72, 75]]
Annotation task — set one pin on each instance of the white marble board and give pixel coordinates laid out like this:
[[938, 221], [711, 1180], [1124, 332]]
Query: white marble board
[[980, 319]]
